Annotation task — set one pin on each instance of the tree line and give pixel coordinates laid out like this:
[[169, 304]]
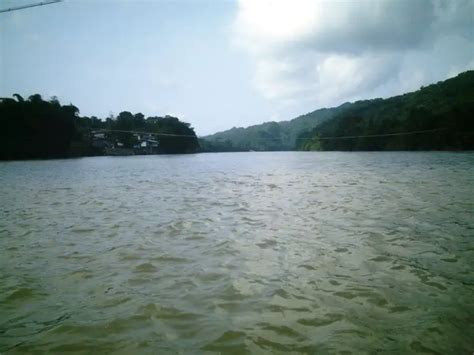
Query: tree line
[[268, 136], [436, 117], [443, 111], [35, 128]]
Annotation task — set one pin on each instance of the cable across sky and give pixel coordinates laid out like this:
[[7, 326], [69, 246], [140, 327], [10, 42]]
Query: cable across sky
[[273, 138], [29, 5], [379, 135]]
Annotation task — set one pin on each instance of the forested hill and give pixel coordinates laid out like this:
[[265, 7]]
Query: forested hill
[[270, 136], [437, 117], [444, 109]]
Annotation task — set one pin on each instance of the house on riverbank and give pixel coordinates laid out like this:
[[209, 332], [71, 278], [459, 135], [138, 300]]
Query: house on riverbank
[[111, 144], [146, 146]]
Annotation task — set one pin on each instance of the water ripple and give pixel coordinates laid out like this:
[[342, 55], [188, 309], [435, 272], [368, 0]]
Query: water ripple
[[238, 253]]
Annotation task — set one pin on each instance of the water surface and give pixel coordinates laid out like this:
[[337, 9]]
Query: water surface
[[239, 253]]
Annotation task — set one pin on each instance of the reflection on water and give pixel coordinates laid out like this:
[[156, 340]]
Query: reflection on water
[[251, 252]]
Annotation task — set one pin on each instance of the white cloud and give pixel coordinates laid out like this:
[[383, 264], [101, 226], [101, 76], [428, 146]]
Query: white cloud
[[276, 20], [328, 52]]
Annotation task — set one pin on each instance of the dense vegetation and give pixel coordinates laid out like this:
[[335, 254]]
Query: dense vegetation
[[185, 140], [444, 109], [443, 112], [269, 136], [37, 128], [438, 116]]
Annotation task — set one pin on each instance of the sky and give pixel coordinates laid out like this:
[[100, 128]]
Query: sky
[[218, 64]]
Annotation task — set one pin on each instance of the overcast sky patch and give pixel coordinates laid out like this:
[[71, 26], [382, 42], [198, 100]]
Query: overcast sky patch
[[230, 63]]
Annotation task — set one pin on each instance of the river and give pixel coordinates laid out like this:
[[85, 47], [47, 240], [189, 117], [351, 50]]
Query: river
[[239, 253]]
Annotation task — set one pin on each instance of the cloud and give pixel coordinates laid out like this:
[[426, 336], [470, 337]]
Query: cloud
[[328, 52]]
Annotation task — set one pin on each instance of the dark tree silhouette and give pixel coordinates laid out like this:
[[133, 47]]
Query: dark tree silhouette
[[36, 128]]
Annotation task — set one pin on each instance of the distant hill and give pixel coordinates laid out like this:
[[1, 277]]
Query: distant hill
[[437, 117], [445, 109], [268, 136]]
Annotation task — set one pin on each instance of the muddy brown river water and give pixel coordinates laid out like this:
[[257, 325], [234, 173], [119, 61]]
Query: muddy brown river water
[[239, 253]]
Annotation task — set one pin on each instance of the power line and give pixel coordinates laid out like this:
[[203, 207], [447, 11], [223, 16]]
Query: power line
[[30, 5], [150, 133], [322, 138], [378, 135], [364, 136]]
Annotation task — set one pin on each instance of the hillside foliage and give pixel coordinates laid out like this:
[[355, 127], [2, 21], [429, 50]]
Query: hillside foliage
[[442, 111], [268, 136], [436, 117]]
